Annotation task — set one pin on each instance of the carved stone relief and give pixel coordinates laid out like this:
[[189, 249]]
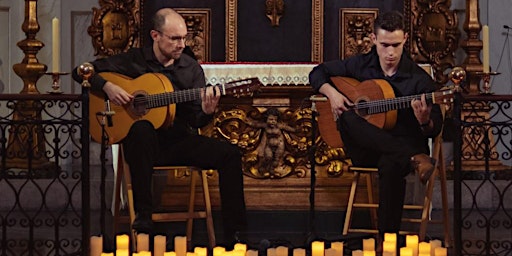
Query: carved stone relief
[[356, 25]]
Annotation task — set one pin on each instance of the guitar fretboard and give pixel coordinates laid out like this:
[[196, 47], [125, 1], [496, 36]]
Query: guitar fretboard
[[384, 105]]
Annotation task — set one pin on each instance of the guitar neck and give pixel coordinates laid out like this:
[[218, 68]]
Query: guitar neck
[[167, 98], [384, 105]]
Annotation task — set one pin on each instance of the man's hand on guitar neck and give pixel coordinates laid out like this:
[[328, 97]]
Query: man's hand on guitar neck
[[422, 111], [116, 94], [210, 98], [339, 102]]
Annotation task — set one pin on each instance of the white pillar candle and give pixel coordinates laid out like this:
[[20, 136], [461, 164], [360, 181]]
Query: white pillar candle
[[424, 248], [299, 252], [412, 241], [218, 251], [96, 245], [200, 251], [440, 251], [253, 253], [338, 247], [180, 245], [142, 242], [159, 242], [55, 45], [122, 242], [317, 248], [369, 244], [240, 247], [485, 36], [433, 245], [169, 253]]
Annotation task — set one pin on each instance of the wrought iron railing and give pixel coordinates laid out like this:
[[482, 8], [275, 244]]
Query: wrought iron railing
[[482, 175], [44, 174]]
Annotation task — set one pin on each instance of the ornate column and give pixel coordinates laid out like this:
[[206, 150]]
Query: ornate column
[[472, 45], [26, 147]]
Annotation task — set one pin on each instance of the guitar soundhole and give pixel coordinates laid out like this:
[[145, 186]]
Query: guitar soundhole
[[139, 105], [361, 110]]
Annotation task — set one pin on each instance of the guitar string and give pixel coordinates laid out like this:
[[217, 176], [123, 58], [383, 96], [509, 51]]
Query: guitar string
[[383, 105]]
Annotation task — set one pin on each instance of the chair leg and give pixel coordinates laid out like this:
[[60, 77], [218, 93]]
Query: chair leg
[[208, 208], [348, 215], [191, 205], [444, 199]]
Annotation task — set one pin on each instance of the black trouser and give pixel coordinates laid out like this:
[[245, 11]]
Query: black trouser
[[145, 147], [370, 146]]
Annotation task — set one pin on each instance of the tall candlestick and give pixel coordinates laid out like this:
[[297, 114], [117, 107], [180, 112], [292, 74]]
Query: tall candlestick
[[485, 36], [55, 45]]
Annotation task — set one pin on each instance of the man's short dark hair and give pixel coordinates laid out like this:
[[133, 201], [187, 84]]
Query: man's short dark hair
[[389, 21]]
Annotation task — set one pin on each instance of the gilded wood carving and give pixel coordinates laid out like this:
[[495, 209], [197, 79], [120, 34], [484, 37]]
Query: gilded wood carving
[[198, 27], [115, 27], [276, 142], [356, 25], [274, 9], [435, 35]]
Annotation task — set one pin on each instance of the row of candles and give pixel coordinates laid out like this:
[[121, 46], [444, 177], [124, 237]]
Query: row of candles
[[389, 248]]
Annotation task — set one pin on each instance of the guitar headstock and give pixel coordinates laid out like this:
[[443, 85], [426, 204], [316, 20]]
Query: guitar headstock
[[243, 87], [443, 96]]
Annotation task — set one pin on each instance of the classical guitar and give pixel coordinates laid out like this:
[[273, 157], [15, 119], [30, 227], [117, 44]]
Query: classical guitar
[[154, 100], [374, 100]]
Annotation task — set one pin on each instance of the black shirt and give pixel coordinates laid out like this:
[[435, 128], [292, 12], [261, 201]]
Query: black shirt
[[185, 73], [410, 79]]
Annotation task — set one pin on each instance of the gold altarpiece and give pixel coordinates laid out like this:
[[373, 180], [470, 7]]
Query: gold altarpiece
[[282, 183]]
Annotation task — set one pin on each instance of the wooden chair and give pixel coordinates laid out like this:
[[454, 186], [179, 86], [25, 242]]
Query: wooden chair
[[424, 208], [123, 178]]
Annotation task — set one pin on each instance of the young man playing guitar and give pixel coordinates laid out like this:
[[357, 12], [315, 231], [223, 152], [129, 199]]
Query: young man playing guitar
[[179, 144], [402, 148]]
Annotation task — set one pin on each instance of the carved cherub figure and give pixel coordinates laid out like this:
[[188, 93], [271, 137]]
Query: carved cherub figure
[[272, 147]]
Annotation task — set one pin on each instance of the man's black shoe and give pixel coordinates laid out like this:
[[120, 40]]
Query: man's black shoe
[[143, 223]]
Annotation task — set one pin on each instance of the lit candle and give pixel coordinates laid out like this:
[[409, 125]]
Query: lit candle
[[390, 237], [282, 251], [218, 250], [406, 251], [55, 45], [330, 252], [253, 253], [159, 245], [317, 248], [180, 245], [96, 245], [200, 251], [271, 252], [369, 244], [424, 248], [433, 245], [144, 253], [389, 246], [122, 252], [412, 241], [169, 253], [142, 242], [357, 253], [369, 253], [485, 35], [338, 247], [189, 254], [240, 247], [107, 254], [122, 242], [299, 252], [440, 251]]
